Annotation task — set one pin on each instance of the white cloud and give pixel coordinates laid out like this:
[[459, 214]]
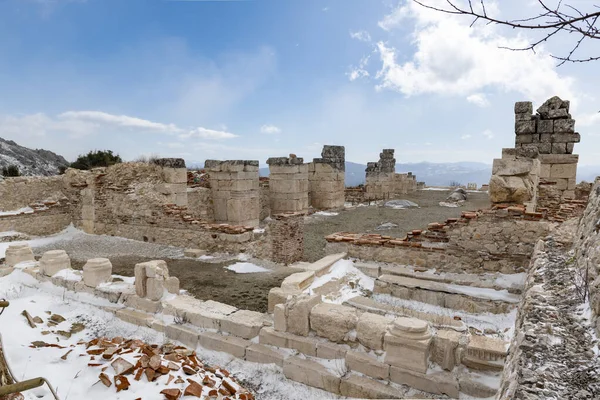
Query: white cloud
[[589, 119], [40, 125], [452, 58], [360, 71], [203, 133], [270, 129], [118, 120], [479, 99], [465, 137], [488, 134], [363, 36]]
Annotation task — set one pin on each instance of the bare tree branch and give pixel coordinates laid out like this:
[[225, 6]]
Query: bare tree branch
[[553, 20]]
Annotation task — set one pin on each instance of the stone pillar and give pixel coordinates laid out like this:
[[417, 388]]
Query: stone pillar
[[152, 279], [380, 176], [407, 344], [235, 191], [175, 177], [287, 238], [405, 183], [18, 253], [288, 184], [326, 177], [54, 261], [97, 271]]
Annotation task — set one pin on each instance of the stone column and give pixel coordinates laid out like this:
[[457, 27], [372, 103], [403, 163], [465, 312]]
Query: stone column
[[175, 177], [235, 191], [287, 238], [380, 176], [288, 184], [54, 261], [18, 253], [326, 176], [407, 344], [97, 271]]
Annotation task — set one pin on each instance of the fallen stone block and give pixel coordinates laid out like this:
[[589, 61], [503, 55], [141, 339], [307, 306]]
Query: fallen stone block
[[322, 266], [445, 344], [297, 311], [245, 323], [97, 271], [485, 353], [366, 364], [361, 387], [370, 330], [229, 344], [135, 317], [311, 373], [333, 321], [436, 382], [259, 353], [296, 283], [183, 334], [276, 296]]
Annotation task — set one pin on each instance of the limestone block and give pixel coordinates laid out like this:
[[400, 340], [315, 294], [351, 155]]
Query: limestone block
[[524, 107], [182, 334], [330, 351], [156, 268], [172, 285], [203, 314], [276, 296], [369, 269], [361, 387], [140, 279], [283, 169], [475, 387], [545, 126], [245, 323], [437, 382], [155, 288], [297, 312], [296, 283], [194, 253], [506, 189], [174, 175], [559, 158], [158, 325], [53, 261], [445, 344], [524, 127], [322, 266], [559, 148], [97, 271], [229, 344], [370, 330], [140, 303], [135, 317], [271, 337], [87, 212], [564, 125], [305, 345], [279, 318], [333, 321], [259, 353], [485, 353], [17, 253], [311, 373], [407, 344], [508, 167], [568, 171], [236, 238], [366, 364]]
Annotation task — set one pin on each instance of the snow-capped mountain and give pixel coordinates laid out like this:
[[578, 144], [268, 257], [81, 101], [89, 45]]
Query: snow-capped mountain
[[30, 162]]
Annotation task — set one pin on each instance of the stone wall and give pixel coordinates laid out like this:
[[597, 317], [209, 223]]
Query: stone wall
[[287, 238], [405, 183], [587, 249], [288, 184], [20, 192], [235, 191], [380, 176], [264, 199], [39, 223], [199, 201], [326, 176]]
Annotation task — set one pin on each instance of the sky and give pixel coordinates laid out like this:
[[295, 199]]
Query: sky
[[265, 78]]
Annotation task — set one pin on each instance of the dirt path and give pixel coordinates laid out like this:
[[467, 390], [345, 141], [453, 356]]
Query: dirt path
[[366, 219]]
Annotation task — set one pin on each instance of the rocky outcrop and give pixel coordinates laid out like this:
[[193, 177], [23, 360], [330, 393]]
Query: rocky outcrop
[[29, 161]]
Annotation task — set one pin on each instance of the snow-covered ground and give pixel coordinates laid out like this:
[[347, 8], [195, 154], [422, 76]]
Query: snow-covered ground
[[352, 282], [246, 268], [24, 210], [73, 378]]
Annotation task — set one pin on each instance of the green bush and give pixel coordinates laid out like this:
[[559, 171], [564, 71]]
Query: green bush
[[96, 158], [11, 170]]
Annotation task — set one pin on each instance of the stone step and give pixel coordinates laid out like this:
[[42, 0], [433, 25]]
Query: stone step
[[369, 305], [322, 266], [513, 283], [458, 297]]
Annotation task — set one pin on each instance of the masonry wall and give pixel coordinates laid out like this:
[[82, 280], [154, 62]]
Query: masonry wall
[[38, 223], [287, 238], [380, 179], [264, 199], [199, 201], [288, 185], [20, 192], [405, 183], [326, 176]]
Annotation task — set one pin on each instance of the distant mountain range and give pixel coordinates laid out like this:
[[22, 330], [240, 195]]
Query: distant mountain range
[[29, 161]]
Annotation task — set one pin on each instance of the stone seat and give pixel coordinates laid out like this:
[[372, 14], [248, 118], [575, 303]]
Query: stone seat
[[458, 297]]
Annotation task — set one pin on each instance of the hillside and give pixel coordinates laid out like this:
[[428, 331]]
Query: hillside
[[30, 162]]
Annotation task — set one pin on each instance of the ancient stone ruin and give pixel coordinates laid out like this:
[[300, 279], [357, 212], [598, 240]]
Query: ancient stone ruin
[[498, 302]]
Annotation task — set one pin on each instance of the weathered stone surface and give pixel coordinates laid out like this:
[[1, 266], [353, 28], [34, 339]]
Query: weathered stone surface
[[437, 382], [203, 314], [182, 334], [53, 261], [135, 317], [445, 343], [523, 107], [259, 353], [97, 271], [229, 344], [407, 344], [297, 311], [331, 351], [279, 318], [524, 127], [155, 288], [510, 189], [140, 303], [194, 253], [305, 345], [276, 296], [485, 353], [172, 284], [17, 253], [245, 323], [297, 282], [366, 364], [361, 387], [371, 329], [333, 321], [311, 373]]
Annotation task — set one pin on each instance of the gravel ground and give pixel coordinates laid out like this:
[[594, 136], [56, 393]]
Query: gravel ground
[[366, 219]]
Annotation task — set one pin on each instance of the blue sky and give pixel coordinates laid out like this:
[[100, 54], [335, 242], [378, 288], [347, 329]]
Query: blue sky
[[260, 78]]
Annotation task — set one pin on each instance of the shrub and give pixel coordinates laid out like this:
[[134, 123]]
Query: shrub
[[96, 158], [11, 170]]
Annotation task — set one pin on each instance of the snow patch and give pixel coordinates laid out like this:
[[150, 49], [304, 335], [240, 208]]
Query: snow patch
[[356, 282], [246, 268], [326, 213]]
